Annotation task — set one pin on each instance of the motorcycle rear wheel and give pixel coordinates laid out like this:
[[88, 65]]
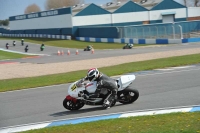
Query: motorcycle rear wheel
[[70, 105], [127, 97]]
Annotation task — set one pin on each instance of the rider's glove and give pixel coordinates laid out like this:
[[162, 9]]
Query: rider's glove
[[85, 78]]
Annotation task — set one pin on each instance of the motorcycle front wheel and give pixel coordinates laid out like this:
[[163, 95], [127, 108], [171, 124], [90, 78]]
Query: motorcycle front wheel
[[70, 105], [128, 96]]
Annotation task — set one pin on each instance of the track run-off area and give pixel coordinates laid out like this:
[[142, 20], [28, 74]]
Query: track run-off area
[[53, 64]]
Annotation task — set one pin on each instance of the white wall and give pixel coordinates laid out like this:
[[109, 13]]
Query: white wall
[[157, 14], [91, 20], [130, 17], [59, 21], [193, 11]]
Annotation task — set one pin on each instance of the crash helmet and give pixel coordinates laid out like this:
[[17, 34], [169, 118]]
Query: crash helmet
[[92, 74]]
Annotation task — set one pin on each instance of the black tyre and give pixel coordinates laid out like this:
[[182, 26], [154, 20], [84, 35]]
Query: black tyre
[[70, 105], [128, 96]]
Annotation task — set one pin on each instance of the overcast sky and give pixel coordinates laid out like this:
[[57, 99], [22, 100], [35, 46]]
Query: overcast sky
[[16, 7]]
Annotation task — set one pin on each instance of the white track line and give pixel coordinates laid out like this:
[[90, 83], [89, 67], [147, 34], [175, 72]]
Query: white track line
[[169, 72], [174, 68]]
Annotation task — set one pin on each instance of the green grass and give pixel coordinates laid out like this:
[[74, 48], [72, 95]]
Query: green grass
[[8, 55], [22, 83], [167, 123], [71, 43]]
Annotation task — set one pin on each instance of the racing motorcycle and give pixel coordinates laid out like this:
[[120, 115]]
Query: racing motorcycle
[[7, 46], [125, 94], [128, 46], [42, 47], [88, 48]]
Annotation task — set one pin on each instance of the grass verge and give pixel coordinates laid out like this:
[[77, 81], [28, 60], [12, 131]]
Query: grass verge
[[167, 123], [71, 43], [22, 83], [9, 55]]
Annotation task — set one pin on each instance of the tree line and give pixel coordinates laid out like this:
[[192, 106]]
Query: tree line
[[4, 22], [53, 4]]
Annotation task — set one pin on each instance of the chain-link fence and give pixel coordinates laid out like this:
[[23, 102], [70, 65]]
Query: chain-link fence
[[171, 31]]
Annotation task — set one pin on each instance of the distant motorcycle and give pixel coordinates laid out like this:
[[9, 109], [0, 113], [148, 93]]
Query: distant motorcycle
[[42, 47], [125, 94], [128, 46], [88, 48], [26, 48], [22, 42], [7, 46], [14, 43]]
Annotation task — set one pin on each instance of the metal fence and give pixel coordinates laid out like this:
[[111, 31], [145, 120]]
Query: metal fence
[[170, 31]]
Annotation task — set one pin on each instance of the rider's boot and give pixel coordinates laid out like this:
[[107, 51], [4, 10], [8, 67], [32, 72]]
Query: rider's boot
[[111, 99]]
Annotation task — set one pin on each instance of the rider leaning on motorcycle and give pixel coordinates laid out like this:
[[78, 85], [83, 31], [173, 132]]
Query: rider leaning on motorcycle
[[103, 81]]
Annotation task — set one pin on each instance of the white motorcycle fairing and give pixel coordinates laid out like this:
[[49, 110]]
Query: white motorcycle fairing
[[122, 83], [125, 81], [74, 90]]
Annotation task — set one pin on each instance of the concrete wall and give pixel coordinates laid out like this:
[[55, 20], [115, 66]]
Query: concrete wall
[[59, 21], [92, 20], [121, 18], [193, 13]]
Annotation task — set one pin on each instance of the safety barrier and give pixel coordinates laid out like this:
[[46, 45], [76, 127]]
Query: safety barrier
[[176, 30], [38, 36], [165, 30], [139, 41]]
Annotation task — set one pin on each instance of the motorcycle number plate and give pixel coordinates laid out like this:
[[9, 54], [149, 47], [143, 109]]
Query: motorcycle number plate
[[73, 87]]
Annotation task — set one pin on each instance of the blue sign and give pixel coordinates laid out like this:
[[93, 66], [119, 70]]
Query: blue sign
[[42, 14]]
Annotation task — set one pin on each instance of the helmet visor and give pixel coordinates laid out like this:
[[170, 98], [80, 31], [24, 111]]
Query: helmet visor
[[91, 78]]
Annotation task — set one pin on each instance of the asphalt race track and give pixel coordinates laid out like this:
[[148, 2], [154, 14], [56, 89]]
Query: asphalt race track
[[52, 51], [158, 89]]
